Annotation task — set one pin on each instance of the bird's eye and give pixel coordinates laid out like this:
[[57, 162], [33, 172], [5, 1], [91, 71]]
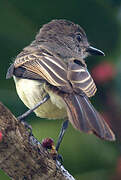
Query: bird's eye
[[79, 37]]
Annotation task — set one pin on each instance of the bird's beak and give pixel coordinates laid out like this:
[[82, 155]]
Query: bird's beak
[[93, 51]]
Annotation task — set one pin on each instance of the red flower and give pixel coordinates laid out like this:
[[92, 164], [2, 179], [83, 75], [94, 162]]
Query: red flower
[[1, 136], [103, 72], [47, 143]]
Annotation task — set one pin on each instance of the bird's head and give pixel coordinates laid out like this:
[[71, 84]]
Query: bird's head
[[66, 39]]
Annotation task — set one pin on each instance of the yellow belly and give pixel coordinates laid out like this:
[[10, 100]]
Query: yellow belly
[[32, 91]]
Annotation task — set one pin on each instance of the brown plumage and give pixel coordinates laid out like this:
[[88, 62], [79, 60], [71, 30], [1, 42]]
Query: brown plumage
[[54, 64]]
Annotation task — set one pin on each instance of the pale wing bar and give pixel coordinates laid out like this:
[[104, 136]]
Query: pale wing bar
[[81, 79], [50, 68]]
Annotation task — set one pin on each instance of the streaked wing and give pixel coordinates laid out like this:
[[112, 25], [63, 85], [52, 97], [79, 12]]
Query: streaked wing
[[56, 72], [81, 80], [49, 68]]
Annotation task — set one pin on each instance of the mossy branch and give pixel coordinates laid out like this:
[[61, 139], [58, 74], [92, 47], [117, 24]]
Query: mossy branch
[[22, 156]]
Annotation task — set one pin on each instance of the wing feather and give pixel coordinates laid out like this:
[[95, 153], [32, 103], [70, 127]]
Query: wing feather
[[81, 80], [84, 117], [50, 68]]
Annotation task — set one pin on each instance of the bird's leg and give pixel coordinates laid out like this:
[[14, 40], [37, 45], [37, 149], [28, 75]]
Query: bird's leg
[[23, 116], [48, 143], [61, 135]]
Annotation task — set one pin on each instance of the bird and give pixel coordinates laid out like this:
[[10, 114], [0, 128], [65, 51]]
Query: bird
[[52, 70]]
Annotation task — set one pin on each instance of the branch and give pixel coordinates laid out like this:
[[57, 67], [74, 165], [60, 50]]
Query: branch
[[22, 156]]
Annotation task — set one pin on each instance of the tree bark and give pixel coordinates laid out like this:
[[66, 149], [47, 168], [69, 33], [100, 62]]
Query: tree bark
[[22, 157]]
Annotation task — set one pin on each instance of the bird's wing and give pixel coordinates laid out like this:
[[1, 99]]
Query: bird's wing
[[45, 66], [81, 79]]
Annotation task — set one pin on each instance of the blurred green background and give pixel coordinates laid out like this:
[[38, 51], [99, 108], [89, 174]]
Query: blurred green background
[[85, 156]]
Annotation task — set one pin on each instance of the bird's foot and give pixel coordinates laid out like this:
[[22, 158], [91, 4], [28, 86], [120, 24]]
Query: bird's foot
[[26, 125], [61, 135]]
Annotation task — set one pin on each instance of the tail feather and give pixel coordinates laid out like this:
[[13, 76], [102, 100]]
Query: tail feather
[[84, 117]]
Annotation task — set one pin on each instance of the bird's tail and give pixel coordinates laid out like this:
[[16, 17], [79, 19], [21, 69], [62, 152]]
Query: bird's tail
[[84, 117]]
